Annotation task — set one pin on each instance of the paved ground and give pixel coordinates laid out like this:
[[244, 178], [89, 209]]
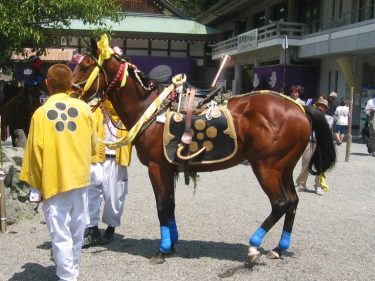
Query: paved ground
[[333, 238]]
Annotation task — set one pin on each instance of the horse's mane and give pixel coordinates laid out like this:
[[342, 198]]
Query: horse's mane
[[137, 73]]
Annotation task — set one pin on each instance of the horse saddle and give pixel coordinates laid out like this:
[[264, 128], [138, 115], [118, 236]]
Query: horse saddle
[[213, 137], [201, 100]]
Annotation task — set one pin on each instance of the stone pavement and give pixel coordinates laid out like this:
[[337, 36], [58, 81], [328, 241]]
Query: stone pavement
[[333, 237]]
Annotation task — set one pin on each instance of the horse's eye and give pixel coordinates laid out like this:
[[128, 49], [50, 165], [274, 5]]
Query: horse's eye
[[83, 69]]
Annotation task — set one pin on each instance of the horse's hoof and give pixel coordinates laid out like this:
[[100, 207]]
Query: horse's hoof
[[171, 253], [159, 258], [253, 254], [274, 254]]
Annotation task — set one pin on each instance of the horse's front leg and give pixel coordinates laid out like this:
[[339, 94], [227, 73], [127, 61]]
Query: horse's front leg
[[163, 185]]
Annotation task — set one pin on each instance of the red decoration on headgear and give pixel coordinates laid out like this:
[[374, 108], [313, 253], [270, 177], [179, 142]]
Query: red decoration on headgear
[[77, 58], [36, 62]]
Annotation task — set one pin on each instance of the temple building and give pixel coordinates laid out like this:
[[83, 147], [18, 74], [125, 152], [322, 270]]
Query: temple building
[[155, 36], [323, 45]]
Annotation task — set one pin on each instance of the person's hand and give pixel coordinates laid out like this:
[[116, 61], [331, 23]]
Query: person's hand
[[35, 196]]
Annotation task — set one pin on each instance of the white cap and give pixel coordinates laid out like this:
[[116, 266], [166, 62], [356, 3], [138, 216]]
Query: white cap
[[333, 94]]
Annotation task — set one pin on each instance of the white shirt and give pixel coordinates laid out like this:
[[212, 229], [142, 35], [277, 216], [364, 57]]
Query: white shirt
[[300, 101], [370, 106], [329, 120], [110, 136], [342, 115]]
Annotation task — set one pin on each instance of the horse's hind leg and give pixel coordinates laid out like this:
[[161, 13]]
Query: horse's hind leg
[[271, 180], [289, 220]]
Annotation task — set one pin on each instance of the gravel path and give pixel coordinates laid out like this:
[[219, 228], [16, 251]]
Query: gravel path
[[333, 237]]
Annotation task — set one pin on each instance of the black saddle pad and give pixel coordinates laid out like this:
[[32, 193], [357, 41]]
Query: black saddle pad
[[217, 135]]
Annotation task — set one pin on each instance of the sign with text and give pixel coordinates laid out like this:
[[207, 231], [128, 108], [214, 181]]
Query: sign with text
[[248, 39]]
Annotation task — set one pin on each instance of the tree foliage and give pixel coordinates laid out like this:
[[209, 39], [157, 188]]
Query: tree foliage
[[39, 23], [193, 7]]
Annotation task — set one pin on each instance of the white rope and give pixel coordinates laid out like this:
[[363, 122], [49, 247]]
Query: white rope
[[212, 107]]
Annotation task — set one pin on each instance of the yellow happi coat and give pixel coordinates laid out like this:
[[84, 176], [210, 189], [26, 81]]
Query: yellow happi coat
[[61, 142], [123, 153]]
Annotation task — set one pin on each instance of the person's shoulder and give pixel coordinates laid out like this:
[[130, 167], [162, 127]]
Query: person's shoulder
[[80, 103], [40, 110]]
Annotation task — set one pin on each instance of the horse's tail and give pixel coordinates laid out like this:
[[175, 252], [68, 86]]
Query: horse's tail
[[324, 157]]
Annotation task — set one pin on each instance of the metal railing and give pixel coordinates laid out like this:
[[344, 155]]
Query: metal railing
[[273, 30], [295, 30]]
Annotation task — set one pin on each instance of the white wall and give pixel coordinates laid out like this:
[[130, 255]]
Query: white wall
[[343, 90], [331, 65]]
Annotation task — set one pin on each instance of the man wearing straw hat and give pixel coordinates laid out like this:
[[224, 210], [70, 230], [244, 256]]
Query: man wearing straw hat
[[320, 183]]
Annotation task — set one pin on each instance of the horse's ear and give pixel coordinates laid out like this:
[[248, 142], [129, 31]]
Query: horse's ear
[[94, 46]]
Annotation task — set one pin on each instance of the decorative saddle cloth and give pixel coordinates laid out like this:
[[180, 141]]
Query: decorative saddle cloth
[[217, 135]]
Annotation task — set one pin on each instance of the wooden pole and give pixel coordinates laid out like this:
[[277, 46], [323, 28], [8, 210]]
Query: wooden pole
[[349, 139], [3, 216], [225, 58]]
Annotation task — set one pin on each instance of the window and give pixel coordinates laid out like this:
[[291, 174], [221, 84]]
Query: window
[[281, 12], [362, 10], [260, 19], [241, 26], [329, 82], [309, 11]]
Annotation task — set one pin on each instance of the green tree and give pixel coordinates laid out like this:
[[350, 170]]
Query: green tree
[[193, 7], [40, 23]]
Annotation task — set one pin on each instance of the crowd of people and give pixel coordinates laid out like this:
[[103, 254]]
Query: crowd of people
[[337, 117]]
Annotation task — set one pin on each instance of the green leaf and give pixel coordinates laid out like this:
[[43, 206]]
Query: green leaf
[[24, 22]]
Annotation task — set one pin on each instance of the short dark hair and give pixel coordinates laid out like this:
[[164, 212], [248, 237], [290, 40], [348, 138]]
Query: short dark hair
[[59, 78], [298, 88], [343, 102]]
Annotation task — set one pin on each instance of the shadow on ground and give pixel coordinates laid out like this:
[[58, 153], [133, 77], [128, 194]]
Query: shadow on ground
[[33, 272], [191, 249]]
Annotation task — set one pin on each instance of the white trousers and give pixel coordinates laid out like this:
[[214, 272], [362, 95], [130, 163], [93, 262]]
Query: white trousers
[[66, 218], [111, 181]]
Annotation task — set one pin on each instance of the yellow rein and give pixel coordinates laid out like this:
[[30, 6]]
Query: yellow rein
[[144, 118]]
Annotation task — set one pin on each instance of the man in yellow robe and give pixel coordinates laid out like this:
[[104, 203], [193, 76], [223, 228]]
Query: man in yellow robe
[[56, 165], [109, 177]]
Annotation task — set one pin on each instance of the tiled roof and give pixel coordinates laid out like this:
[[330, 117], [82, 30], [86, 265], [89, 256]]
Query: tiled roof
[[152, 24]]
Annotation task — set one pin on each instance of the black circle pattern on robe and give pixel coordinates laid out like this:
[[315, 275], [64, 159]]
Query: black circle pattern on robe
[[63, 116]]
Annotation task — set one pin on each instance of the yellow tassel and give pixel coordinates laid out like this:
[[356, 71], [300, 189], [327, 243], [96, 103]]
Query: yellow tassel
[[91, 79], [323, 183], [105, 52], [108, 106]]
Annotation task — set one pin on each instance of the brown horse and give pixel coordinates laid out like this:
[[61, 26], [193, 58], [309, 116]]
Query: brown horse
[[272, 133], [17, 107]]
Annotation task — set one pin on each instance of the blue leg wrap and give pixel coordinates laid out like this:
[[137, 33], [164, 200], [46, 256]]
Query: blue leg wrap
[[256, 239], [165, 243], [284, 241], [173, 231]]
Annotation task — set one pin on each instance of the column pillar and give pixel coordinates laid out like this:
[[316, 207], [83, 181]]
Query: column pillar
[[237, 82]]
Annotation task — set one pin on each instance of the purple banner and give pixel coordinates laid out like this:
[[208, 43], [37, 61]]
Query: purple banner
[[162, 69], [159, 69], [271, 78]]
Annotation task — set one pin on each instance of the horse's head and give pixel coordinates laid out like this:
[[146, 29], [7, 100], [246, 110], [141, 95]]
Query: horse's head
[[89, 77]]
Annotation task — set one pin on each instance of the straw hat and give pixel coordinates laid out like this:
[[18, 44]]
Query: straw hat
[[323, 102]]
